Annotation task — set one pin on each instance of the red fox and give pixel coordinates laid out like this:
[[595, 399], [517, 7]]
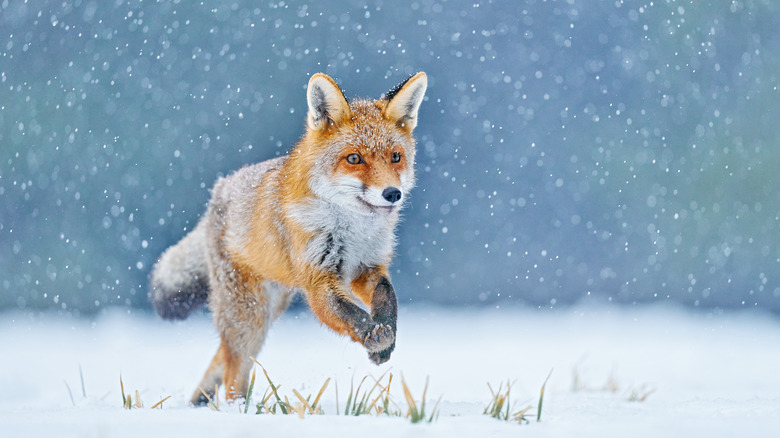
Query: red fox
[[319, 221]]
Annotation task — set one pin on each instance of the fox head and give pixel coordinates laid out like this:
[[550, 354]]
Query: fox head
[[362, 151]]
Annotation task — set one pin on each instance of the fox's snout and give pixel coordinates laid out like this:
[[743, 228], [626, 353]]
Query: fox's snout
[[392, 195]]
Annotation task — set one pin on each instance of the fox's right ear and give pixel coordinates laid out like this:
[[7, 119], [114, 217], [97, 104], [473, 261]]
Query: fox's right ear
[[326, 102]]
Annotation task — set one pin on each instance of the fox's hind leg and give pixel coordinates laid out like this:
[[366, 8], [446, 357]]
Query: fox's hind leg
[[244, 308], [241, 341], [242, 347], [211, 379], [230, 367]]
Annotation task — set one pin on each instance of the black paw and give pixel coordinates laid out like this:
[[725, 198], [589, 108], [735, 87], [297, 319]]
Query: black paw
[[199, 399], [379, 339], [380, 357]]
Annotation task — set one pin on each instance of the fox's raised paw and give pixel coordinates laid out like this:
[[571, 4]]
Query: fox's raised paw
[[380, 338], [380, 357]]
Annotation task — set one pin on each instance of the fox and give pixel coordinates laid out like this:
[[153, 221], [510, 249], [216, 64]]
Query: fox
[[318, 222]]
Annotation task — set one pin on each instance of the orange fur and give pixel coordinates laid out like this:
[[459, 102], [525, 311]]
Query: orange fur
[[363, 286]]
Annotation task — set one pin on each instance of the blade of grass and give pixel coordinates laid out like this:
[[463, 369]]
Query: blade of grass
[[435, 410], [122, 387], [519, 416], [349, 397], [386, 400], [319, 394], [273, 389], [490, 409], [541, 398], [422, 403], [417, 414], [500, 398], [359, 408], [70, 393], [367, 397], [300, 410], [356, 408], [210, 401], [508, 402], [262, 408], [83, 390], [409, 401], [383, 391], [159, 403], [249, 392], [640, 394], [492, 393], [303, 401], [352, 400]]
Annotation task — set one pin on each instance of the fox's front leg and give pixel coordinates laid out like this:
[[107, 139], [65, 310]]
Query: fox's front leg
[[373, 287], [372, 334], [331, 303], [384, 310]]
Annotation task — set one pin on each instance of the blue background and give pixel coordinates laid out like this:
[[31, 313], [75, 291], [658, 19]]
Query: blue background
[[569, 151]]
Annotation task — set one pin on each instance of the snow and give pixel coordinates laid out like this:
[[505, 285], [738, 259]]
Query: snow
[[713, 374]]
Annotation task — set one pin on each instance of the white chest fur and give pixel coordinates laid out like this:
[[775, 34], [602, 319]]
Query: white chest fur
[[345, 241]]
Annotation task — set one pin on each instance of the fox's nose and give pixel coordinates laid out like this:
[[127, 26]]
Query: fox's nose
[[391, 194]]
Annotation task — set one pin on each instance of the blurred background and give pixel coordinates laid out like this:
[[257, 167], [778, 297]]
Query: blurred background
[[568, 151]]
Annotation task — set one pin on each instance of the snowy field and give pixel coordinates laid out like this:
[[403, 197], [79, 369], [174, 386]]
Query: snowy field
[[712, 374]]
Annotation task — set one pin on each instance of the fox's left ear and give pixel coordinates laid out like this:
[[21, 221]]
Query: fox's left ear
[[404, 100]]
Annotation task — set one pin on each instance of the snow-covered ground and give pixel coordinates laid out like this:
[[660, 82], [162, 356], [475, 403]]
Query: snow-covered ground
[[712, 374]]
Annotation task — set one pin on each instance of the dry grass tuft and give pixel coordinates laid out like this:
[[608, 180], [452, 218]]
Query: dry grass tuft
[[127, 399], [358, 404], [611, 385], [499, 406], [301, 407], [415, 414], [640, 394]]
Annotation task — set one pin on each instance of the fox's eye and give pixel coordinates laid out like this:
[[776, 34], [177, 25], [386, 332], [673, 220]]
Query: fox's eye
[[354, 159], [396, 157]]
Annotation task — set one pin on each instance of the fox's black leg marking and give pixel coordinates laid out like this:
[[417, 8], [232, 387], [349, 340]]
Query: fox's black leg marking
[[384, 310], [201, 401], [356, 318], [384, 304], [375, 337]]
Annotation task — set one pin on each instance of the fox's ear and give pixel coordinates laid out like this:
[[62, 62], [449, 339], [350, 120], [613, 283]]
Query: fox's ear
[[404, 100], [326, 102]]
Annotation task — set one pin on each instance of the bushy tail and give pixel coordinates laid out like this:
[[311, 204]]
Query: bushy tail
[[179, 280]]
